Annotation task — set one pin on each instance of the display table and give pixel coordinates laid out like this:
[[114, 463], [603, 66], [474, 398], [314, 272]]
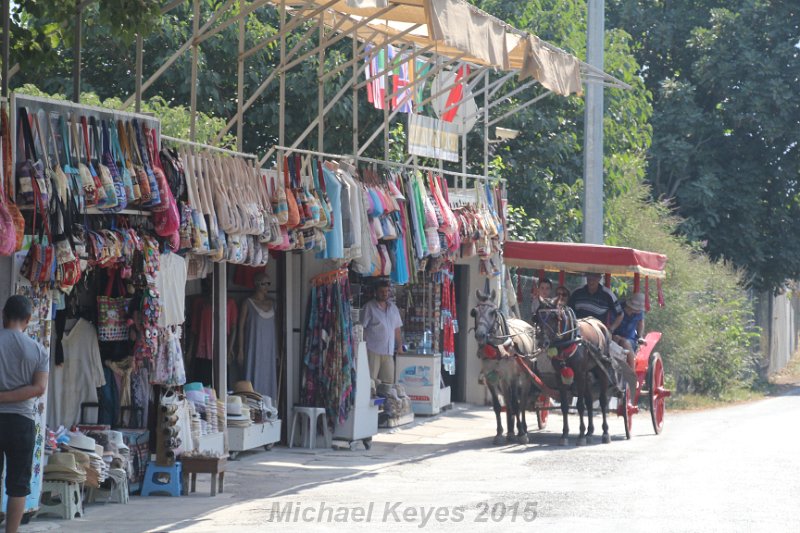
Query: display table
[[253, 436], [420, 375], [362, 421], [203, 465]]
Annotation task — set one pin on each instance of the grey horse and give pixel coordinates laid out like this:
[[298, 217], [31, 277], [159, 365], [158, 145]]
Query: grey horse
[[501, 343]]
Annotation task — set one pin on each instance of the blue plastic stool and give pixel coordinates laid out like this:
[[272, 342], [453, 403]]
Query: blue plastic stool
[[152, 485]]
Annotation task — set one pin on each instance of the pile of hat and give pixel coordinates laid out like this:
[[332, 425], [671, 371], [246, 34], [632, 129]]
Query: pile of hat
[[205, 403], [238, 412], [83, 462], [261, 407]]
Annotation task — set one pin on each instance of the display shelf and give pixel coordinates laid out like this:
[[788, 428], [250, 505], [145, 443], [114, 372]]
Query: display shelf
[[362, 421], [253, 436]]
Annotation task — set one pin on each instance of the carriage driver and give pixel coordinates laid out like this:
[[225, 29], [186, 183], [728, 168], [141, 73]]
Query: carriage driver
[[597, 301]]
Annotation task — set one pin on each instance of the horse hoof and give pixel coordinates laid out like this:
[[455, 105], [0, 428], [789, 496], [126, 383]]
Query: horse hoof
[[498, 440], [606, 438], [562, 441], [581, 441], [588, 439], [511, 439], [523, 439]]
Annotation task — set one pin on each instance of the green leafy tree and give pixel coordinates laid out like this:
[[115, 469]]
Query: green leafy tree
[[724, 78]]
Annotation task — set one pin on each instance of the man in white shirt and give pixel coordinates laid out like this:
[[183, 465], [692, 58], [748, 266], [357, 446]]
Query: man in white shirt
[[382, 323], [24, 366]]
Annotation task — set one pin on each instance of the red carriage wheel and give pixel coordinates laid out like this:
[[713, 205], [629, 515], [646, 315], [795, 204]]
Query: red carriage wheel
[[543, 404], [627, 411], [658, 394]]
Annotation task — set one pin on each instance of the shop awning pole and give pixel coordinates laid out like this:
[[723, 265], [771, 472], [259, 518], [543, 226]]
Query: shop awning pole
[[6, 45], [139, 60], [486, 125], [193, 79], [240, 81], [76, 53], [321, 84], [354, 85]]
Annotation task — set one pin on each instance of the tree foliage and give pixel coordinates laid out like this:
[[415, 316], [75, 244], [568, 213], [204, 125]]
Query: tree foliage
[[707, 324], [724, 79]]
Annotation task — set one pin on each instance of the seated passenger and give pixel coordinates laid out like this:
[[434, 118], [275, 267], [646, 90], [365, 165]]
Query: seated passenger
[[631, 326]]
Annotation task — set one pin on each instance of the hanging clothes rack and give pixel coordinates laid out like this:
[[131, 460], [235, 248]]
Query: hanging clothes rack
[[477, 177], [208, 147]]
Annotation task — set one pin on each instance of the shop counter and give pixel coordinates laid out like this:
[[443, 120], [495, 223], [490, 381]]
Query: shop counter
[[253, 436], [420, 375]]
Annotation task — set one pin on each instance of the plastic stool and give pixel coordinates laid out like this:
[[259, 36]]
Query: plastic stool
[[61, 498], [120, 494], [109, 492], [312, 415], [172, 486]]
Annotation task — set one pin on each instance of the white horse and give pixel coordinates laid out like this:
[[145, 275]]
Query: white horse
[[501, 343]]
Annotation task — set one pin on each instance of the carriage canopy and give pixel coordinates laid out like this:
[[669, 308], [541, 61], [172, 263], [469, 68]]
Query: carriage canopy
[[576, 257]]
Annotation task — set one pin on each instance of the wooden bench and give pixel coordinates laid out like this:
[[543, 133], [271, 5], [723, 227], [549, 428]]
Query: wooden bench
[[204, 465]]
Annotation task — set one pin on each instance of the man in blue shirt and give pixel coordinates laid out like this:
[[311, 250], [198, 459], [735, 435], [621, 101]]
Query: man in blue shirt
[[631, 326]]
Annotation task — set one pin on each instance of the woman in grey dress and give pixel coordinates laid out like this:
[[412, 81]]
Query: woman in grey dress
[[257, 352]]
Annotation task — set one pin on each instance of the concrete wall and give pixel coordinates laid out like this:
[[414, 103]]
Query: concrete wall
[[779, 320]]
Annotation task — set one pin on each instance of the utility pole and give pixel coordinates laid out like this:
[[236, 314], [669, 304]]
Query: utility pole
[[593, 129]]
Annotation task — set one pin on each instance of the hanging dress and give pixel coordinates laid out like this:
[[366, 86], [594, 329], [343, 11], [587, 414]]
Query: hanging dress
[[259, 348]]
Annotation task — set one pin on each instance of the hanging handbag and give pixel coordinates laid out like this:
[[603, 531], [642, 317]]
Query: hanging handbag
[[167, 221], [200, 243], [139, 183], [130, 144], [293, 218], [103, 172], [280, 204], [38, 267], [157, 181], [8, 234], [108, 165], [30, 171], [8, 171], [104, 187], [112, 311], [120, 163]]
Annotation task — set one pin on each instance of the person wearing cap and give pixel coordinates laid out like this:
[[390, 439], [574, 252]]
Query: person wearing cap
[[596, 300], [24, 367], [631, 326], [382, 323]]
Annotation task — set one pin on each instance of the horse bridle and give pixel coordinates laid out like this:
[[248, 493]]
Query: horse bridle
[[499, 321], [566, 330]]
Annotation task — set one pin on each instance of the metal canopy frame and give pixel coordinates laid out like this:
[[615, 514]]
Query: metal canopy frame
[[335, 21]]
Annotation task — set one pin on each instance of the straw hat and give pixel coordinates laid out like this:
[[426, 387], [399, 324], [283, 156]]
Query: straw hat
[[117, 439], [234, 406], [81, 442], [636, 302], [245, 388], [62, 462]]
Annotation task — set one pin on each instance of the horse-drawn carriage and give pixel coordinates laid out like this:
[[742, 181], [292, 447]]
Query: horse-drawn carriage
[[571, 356]]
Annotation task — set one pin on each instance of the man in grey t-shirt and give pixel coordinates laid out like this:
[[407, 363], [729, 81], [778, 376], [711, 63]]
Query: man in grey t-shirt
[[24, 366]]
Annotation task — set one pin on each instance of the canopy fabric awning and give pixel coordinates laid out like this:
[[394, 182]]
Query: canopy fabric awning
[[578, 258], [457, 29]]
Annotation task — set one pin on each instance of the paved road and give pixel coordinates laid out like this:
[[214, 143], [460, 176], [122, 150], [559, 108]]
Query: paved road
[[731, 469]]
